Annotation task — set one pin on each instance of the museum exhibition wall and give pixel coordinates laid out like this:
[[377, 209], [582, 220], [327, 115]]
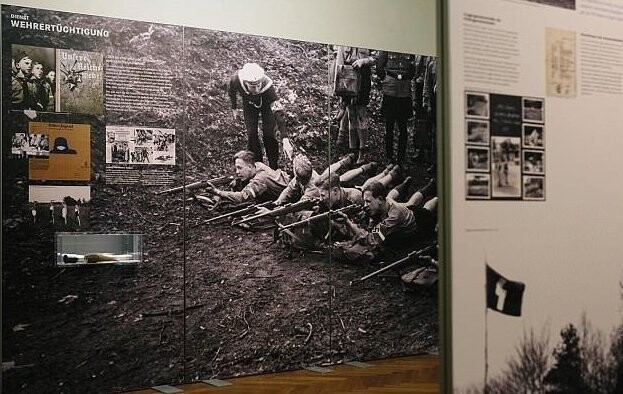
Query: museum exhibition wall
[[535, 96], [140, 245]]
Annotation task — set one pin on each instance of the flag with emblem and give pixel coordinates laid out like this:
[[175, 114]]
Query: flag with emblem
[[503, 295]]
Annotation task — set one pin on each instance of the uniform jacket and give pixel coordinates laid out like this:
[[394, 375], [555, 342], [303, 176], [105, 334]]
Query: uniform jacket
[[398, 221], [266, 185], [396, 71], [295, 191]]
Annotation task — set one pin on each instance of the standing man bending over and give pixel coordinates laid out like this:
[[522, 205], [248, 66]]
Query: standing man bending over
[[258, 98]]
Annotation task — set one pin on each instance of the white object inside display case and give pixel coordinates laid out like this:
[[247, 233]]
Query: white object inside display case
[[77, 249]]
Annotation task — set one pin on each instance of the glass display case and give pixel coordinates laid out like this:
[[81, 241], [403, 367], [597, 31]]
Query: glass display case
[[75, 249]]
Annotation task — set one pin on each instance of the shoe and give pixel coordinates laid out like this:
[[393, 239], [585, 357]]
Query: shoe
[[404, 186], [395, 173], [430, 189], [348, 159], [369, 167]]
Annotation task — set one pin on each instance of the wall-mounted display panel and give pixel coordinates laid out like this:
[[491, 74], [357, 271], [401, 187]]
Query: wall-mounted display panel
[[535, 97], [154, 117]]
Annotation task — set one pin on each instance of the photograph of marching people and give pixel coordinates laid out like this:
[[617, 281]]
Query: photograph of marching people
[[65, 207], [290, 208]]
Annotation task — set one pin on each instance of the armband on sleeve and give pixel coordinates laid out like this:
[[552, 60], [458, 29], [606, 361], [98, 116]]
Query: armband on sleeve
[[277, 106]]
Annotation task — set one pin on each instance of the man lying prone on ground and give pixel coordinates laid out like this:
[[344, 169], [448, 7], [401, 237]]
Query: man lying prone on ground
[[304, 184], [309, 229], [264, 183], [392, 223], [314, 227]]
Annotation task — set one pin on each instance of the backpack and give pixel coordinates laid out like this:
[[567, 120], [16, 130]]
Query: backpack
[[347, 81]]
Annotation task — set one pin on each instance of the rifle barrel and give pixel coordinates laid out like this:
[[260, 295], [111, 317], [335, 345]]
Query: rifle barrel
[[295, 207], [318, 217], [197, 185], [392, 265], [239, 212]]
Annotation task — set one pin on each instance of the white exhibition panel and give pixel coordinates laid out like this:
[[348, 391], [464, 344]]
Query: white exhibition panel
[[566, 249]]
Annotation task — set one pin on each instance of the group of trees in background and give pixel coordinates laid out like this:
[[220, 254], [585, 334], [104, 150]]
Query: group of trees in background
[[583, 362]]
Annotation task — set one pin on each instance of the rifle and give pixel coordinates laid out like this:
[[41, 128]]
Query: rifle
[[410, 256], [246, 209], [279, 211], [222, 180], [314, 218]]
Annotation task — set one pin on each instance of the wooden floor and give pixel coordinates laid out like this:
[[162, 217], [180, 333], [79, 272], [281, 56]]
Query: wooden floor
[[418, 374]]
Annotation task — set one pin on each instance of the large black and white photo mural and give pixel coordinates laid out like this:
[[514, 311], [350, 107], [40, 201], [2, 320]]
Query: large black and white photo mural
[[187, 204]]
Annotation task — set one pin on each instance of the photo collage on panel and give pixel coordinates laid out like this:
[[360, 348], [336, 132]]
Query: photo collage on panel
[[504, 147], [91, 106]]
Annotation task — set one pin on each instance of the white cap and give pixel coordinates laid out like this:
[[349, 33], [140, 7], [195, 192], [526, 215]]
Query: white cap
[[251, 72]]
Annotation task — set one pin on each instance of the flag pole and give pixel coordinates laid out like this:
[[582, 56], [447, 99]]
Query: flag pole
[[486, 350], [486, 333]]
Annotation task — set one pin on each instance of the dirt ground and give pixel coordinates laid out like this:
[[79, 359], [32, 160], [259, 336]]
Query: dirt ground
[[207, 301], [250, 308]]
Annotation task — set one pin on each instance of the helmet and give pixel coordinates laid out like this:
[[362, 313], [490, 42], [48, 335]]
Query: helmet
[[251, 72]]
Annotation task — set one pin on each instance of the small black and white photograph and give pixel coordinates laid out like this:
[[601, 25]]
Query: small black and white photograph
[[533, 136], [164, 147], [477, 132], [70, 215], [533, 162], [64, 207], [141, 155], [33, 73], [49, 193], [478, 159], [143, 137], [20, 145], [110, 137], [533, 187], [38, 145], [533, 109], [118, 144], [477, 105], [505, 167], [119, 152], [164, 140], [478, 186]]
